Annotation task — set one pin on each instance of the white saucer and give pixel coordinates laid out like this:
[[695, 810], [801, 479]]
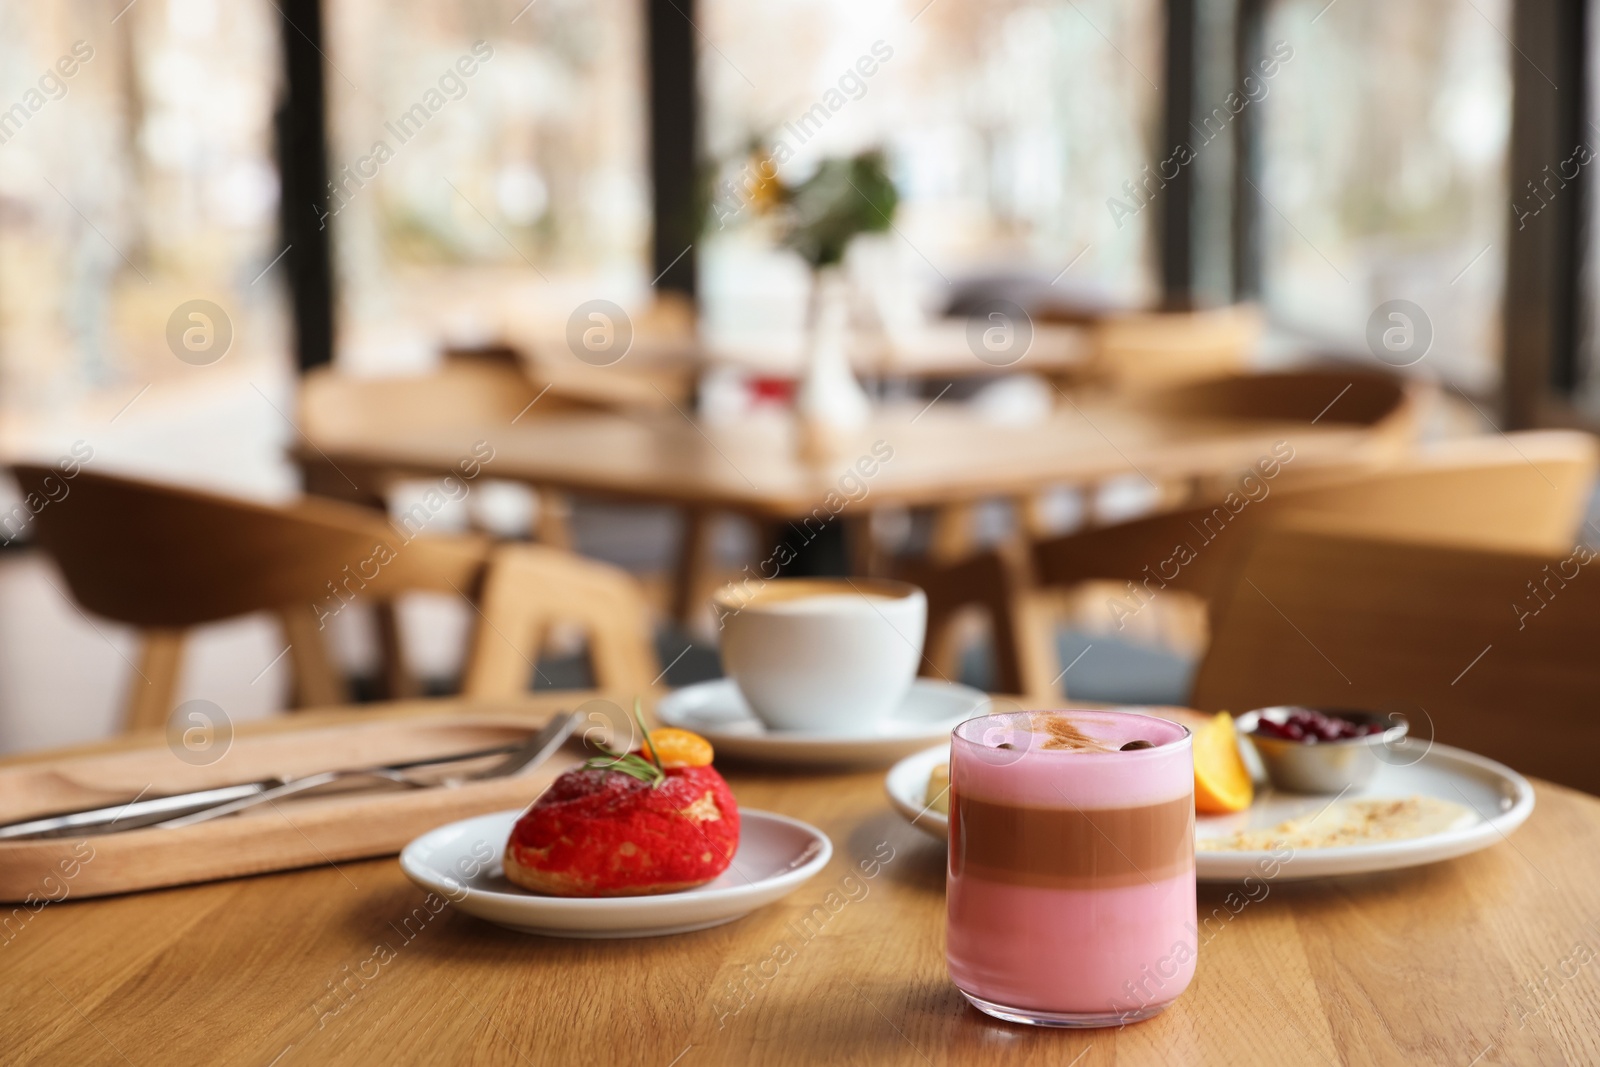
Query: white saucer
[[462, 862], [1499, 798], [717, 711]]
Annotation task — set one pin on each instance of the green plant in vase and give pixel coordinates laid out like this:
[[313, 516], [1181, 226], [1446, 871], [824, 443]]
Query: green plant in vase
[[842, 199]]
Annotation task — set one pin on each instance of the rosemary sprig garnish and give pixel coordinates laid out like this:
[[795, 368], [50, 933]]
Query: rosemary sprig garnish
[[627, 763], [631, 763], [644, 731]]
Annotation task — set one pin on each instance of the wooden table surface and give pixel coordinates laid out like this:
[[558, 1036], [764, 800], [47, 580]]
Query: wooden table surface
[[1493, 958], [918, 455]]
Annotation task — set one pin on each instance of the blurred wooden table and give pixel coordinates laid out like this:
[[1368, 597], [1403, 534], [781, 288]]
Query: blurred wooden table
[[1488, 959], [928, 455]]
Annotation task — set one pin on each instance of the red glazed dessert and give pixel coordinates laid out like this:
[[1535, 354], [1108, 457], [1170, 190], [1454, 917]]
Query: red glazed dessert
[[628, 825]]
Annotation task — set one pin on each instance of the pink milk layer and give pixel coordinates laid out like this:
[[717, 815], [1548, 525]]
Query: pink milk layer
[[1086, 951]]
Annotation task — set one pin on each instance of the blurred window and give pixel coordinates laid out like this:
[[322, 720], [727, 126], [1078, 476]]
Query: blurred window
[[478, 150], [136, 174], [1384, 162], [1008, 127]]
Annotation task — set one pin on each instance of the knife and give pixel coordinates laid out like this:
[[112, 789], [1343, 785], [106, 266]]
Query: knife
[[143, 812], [524, 756]]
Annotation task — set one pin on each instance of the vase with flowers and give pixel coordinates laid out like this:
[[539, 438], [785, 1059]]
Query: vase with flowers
[[820, 216]]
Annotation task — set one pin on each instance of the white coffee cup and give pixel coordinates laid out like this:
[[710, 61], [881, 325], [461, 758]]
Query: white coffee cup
[[822, 655]]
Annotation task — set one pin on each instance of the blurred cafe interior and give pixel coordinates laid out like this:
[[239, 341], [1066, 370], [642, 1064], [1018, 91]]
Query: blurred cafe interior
[[379, 378], [674, 275]]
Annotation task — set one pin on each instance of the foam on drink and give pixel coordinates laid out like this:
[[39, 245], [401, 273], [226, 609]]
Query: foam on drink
[[822, 602]]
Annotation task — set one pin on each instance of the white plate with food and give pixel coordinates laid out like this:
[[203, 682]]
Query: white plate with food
[[1426, 802], [463, 863], [638, 843], [718, 712]]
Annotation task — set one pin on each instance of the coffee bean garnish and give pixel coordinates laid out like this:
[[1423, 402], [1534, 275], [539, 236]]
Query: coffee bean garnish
[[1005, 744], [1135, 745]]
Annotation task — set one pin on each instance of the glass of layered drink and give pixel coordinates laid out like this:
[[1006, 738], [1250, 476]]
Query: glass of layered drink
[[1071, 888]]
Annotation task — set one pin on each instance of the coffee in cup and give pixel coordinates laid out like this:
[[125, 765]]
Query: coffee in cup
[[818, 654]]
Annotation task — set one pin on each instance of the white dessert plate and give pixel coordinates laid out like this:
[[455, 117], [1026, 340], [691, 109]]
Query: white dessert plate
[[1497, 799], [717, 711], [462, 863]]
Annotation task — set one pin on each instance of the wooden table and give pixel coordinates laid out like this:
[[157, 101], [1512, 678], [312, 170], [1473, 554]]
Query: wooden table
[[934, 456], [1489, 959]]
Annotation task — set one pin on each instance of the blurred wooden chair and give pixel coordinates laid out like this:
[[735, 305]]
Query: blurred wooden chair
[[480, 388], [531, 589], [165, 559], [983, 584], [1522, 491], [1384, 407], [1490, 650], [1518, 492], [660, 367], [1332, 393], [1147, 349]]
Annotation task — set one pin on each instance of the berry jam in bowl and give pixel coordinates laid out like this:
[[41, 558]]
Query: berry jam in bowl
[[1319, 750]]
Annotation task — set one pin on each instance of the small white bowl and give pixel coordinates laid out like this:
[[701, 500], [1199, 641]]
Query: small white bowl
[[462, 863]]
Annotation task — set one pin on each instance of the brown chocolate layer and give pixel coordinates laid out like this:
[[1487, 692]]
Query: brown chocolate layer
[[1070, 848]]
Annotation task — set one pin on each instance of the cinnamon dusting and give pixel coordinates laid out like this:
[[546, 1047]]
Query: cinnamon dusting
[[1060, 733]]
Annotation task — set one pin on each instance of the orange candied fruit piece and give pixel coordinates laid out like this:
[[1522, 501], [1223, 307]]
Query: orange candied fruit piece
[[680, 748], [1221, 782]]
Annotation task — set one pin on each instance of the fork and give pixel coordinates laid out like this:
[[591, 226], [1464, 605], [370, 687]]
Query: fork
[[529, 754]]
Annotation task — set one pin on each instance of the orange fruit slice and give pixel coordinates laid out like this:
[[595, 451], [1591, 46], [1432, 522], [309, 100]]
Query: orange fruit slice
[[680, 748], [1221, 782]]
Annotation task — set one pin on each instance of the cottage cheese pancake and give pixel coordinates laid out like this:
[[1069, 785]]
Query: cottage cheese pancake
[[1351, 822]]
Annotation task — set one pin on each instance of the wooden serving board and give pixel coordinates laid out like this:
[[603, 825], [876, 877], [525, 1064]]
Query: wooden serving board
[[293, 832]]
